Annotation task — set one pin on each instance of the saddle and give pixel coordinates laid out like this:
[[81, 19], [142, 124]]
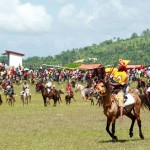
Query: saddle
[[128, 99]]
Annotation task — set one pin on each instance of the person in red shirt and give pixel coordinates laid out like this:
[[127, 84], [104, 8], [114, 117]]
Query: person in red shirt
[[68, 88]]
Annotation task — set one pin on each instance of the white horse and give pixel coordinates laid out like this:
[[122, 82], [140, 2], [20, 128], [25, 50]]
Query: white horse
[[26, 96], [82, 89]]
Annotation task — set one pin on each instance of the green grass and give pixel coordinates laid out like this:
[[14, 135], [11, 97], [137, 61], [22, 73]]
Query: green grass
[[74, 127]]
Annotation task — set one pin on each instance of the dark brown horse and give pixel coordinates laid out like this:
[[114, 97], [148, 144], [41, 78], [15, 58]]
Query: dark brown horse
[[68, 98], [10, 99], [111, 110], [1, 100], [141, 86], [53, 94]]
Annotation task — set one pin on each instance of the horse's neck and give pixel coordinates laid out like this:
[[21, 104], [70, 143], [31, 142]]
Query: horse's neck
[[81, 87], [107, 99], [26, 90]]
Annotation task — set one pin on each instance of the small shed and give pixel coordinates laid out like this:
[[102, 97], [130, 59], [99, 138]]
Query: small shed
[[14, 58]]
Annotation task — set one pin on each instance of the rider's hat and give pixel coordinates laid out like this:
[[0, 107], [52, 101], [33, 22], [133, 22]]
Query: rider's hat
[[123, 62]]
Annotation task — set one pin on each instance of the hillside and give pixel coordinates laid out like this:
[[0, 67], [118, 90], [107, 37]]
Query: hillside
[[136, 48]]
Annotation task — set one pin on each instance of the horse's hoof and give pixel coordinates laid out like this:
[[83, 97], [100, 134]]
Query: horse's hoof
[[115, 139], [142, 137], [131, 135]]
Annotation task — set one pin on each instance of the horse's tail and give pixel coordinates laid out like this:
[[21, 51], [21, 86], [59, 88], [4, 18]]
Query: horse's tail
[[1, 100], [145, 101]]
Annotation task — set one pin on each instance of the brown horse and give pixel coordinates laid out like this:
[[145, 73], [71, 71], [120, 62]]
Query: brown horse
[[111, 110], [68, 98], [53, 94], [1, 100], [10, 99]]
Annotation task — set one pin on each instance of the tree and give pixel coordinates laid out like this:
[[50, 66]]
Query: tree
[[133, 36]]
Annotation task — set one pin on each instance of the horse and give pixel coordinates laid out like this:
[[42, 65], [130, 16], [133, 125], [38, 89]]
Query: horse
[[85, 97], [53, 94], [68, 98], [10, 99], [111, 109], [1, 101], [141, 86], [146, 96], [26, 96]]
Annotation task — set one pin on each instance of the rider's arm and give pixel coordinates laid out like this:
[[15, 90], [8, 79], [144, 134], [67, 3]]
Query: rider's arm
[[114, 84]]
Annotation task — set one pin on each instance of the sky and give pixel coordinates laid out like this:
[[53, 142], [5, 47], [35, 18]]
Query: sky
[[48, 27]]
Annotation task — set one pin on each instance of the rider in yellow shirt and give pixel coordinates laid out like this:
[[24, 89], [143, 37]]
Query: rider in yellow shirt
[[119, 79]]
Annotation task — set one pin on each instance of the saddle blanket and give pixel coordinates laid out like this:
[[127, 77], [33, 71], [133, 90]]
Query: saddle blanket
[[148, 90], [130, 100]]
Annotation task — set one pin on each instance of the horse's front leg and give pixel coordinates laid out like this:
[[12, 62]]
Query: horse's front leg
[[44, 98], [114, 138], [109, 120]]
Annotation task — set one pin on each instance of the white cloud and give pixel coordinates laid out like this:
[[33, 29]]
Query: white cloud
[[67, 11], [75, 23], [18, 17]]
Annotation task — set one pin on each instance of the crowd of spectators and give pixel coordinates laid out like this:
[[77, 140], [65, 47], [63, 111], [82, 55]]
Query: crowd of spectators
[[58, 74]]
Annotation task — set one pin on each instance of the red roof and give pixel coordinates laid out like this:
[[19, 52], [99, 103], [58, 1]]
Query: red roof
[[134, 66], [7, 52], [90, 66]]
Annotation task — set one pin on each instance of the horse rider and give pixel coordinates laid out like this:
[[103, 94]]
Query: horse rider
[[119, 80], [89, 87], [68, 89], [24, 87], [9, 89], [48, 85]]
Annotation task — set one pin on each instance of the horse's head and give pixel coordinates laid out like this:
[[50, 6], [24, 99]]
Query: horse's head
[[101, 88], [38, 87], [61, 92], [73, 82], [76, 87]]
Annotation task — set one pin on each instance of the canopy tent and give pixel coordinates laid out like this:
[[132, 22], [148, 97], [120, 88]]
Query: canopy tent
[[90, 66]]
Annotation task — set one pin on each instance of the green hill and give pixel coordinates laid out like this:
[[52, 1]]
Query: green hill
[[136, 48]]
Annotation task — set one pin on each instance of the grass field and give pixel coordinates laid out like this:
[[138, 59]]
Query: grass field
[[74, 127]]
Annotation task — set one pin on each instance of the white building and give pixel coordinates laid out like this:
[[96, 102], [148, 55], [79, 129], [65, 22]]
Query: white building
[[14, 58]]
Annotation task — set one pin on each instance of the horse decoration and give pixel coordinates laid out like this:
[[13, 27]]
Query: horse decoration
[[111, 110], [26, 96], [69, 97], [52, 94], [85, 94]]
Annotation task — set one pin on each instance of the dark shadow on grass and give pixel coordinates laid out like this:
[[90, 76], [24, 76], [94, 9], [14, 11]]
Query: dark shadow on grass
[[120, 141]]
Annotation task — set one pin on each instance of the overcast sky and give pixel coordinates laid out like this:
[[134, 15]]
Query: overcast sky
[[48, 27]]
